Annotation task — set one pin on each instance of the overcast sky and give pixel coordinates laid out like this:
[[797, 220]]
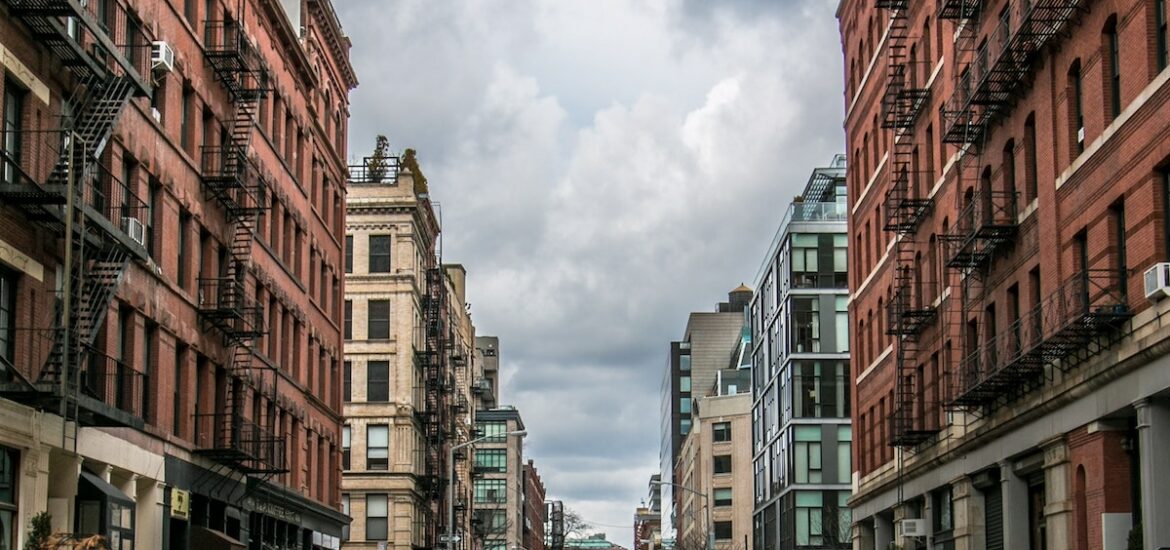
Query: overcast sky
[[604, 168]]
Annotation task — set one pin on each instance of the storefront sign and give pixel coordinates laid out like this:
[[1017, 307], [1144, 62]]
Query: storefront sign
[[180, 504]]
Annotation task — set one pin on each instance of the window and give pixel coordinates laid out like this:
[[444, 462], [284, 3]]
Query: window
[[378, 327], [721, 432], [377, 381], [722, 497], [1113, 55], [379, 253], [347, 382], [806, 325], [348, 327], [819, 389], [185, 127], [1160, 31], [1030, 181], [723, 530], [684, 426], [684, 362], [722, 464], [809, 513], [345, 511], [942, 510], [349, 253], [494, 521], [491, 460], [495, 432], [8, 280], [807, 461], [376, 515], [684, 384], [842, 328], [808, 269], [377, 447], [10, 144], [345, 442], [844, 455], [1077, 106], [684, 405], [492, 491]]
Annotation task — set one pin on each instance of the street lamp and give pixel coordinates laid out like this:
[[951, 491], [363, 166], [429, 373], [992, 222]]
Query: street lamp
[[706, 502], [451, 481]]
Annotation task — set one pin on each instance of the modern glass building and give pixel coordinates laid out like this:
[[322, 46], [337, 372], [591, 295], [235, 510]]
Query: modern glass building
[[801, 432]]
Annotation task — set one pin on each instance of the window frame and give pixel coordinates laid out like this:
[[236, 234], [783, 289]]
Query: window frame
[[373, 323], [385, 526], [349, 253], [717, 463], [377, 388], [9, 283], [482, 486], [382, 462], [379, 259], [722, 496], [721, 432], [346, 447]]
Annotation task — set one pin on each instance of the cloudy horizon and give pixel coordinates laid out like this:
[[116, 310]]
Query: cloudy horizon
[[604, 168]]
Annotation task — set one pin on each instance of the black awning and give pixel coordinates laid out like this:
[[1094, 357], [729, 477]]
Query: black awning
[[94, 487]]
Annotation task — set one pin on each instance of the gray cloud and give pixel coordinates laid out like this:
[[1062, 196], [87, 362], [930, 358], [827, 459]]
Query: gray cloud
[[604, 167]]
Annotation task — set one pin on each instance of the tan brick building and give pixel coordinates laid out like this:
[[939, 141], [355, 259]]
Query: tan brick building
[[170, 199], [1008, 189], [711, 464], [393, 486]]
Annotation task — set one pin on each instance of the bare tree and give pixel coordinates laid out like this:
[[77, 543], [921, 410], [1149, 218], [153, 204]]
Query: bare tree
[[575, 525]]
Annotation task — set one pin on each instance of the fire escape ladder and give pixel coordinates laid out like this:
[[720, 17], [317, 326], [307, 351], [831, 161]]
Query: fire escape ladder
[[253, 446], [999, 69], [436, 421], [102, 230], [959, 9]]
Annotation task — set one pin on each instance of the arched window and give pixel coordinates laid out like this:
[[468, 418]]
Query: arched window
[[1076, 108]]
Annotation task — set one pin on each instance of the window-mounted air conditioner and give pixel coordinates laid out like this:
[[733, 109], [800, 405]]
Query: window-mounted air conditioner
[[134, 228], [162, 56], [1157, 281], [912, 527]]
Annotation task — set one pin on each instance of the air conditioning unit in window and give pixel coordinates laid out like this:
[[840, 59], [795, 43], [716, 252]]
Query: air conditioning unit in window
[[134, 229], [912, 528], [1157, 281], [162, 56]]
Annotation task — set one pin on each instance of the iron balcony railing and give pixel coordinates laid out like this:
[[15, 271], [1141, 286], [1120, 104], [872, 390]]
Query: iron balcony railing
[[229, 438], [1062, 331], [374, 170], [105, 38], [1001, 64], [112, 383], [232, 177], [987, 223], [236, 61], [225, 304], [959, 9]]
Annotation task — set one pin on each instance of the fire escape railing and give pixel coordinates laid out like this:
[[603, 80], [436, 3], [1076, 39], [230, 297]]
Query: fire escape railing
[[986, 226], [1072, 324]]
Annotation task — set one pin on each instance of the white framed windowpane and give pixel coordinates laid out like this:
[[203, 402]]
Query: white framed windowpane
[[376, 506], [378, 436]]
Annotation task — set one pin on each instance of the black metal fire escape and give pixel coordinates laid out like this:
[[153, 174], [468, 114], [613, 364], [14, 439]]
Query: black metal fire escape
[[1079, 318], [59, 182], [910, 310], [232, 436], [437, 420]]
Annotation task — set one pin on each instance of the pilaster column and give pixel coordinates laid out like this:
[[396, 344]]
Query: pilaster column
[[969, 532], [1153, 425], [1015, 507], [883, 532], [1057, 493]]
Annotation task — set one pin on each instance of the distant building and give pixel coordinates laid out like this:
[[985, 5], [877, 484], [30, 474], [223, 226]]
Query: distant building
[[406, 389], [592, 542], [801, 437], [534, 508], [486, 387], [710, 464], [693, 366], [647, 526], [499, 486]]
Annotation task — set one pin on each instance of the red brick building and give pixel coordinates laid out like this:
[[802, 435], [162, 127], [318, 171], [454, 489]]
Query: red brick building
[[172, 213], [534, 509], [1008, 189]]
